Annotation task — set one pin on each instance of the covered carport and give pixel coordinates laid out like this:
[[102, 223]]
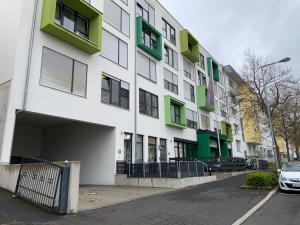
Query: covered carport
[[58, 139]]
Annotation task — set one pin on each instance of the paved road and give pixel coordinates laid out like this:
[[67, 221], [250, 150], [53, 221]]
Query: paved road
[[216, 203], [282, 209]]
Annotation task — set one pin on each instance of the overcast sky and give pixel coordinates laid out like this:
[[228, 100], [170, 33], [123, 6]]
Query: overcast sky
[[227, 28]]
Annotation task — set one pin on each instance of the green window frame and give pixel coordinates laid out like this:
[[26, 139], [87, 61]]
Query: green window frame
[[175, 112], [148, 38], [189, 46]]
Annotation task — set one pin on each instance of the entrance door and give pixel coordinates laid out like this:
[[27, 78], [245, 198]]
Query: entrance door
[[152, 154], [128, 147]]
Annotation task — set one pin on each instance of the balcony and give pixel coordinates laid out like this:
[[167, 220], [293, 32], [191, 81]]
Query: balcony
[[213, 68], [178, 119], [189, 46], [91, 41], [148, 38], [201, 99]]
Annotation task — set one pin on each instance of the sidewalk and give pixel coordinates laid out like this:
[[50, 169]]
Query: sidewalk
[[216, 203]]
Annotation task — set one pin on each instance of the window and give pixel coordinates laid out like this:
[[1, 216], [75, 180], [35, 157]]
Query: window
[[238, 145], [71, 20], [175, 113], [115, 92], [149, 39], [189, 92], [169, 32], [217, 125], [163, 150], [221, 93], [63, 73], [170, 81], [180, 149], [205, 122], [223, 110], [171, 57], [202, 62], [191, 119], [148, 103], [221, 77], [188, 69], [145, 67], [231, 84], [116, 16], [144, 10], [114, 49], [201, 79], [242, 129], [236, 129], [128, 147], [152, 155], [139, 149]]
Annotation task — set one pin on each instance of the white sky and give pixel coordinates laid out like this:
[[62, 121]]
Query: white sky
[[227, 28]]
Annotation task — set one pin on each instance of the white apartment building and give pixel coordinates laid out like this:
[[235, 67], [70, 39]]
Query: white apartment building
[[102, 81]]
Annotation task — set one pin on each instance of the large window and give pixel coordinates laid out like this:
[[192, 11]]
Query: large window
[[149, 39], [202, 62], [188, 69], [115, 92], [116, 16], [171, 57], [146, 11], [238, 145], [180, 149], [139, 149], [223, 110], [114, 49], [145, 67], [63, 73], [128, 147], [163, 150], [168, 31], [148, 103], [170, 81], [201, 78], [191, 119], [205, 122], [152, 153], [189, 91], [71, 20], [236, 129], [175, 113]]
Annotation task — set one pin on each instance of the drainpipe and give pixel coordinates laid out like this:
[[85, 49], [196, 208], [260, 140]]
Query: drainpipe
[[28, 69], [135, 88]]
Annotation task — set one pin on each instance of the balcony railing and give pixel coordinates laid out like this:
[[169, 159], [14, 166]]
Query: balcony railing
[[179, 169]]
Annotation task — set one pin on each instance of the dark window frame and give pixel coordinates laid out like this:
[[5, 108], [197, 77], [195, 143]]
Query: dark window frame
[[177, 113], [169, 52], [165, 31], [192, 123], [150, 60], [171, 86], [202, 61], [191, 91], [155, 148], [119, 92], [160, 150], [143, 102]]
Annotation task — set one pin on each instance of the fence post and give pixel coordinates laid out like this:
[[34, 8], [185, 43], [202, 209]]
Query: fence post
[[197, 168], [178, 169], [64, 188], [189, 169], [144, 173], [129, 170], [159, 169]]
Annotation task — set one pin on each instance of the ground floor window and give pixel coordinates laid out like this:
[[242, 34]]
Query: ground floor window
[[139, 149], [180, 149], [152, 155], [163, 150], [128, 147]]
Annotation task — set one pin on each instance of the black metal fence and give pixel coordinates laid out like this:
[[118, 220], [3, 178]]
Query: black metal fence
[[162, 169], [44, 183]]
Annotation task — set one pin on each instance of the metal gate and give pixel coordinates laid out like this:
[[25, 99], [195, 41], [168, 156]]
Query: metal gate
[[44, 183]]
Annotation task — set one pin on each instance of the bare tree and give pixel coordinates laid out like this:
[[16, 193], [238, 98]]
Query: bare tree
[[267, 88]]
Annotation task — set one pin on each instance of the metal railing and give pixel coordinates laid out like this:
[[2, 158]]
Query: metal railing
[[180, 169]]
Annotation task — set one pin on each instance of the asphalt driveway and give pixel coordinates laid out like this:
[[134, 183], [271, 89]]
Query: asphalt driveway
[[215, 203]]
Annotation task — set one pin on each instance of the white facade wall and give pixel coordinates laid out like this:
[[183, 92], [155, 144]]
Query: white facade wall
[[48, 101]]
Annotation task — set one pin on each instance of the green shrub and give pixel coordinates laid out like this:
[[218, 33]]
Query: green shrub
[[271, 165], [261, 179]]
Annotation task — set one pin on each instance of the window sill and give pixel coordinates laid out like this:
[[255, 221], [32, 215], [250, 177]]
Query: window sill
[[149, 116], [116, 106], [56, 89]]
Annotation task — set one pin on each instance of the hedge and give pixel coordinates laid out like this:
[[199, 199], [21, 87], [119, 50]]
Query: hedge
[[261, 179]]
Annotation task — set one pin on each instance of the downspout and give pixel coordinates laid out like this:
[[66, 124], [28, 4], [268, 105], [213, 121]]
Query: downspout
[[135, 89], [28, 69]]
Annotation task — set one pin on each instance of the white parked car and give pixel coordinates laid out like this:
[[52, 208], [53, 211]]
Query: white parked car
[[289, 177]]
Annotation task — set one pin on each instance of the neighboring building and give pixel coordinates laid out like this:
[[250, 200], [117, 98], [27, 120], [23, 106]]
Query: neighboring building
[[107, 81]]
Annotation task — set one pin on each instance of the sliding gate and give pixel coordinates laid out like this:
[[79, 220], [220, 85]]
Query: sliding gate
[[44, 183]]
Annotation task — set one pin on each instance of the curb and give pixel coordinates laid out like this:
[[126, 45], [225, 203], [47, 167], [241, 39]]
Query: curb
[[255, 208]]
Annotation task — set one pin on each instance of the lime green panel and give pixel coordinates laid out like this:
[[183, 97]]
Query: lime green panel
[[201, 99], [213, 68], [227, 130], [48, 25], [186, 39], [168, 100], [142, 24]]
